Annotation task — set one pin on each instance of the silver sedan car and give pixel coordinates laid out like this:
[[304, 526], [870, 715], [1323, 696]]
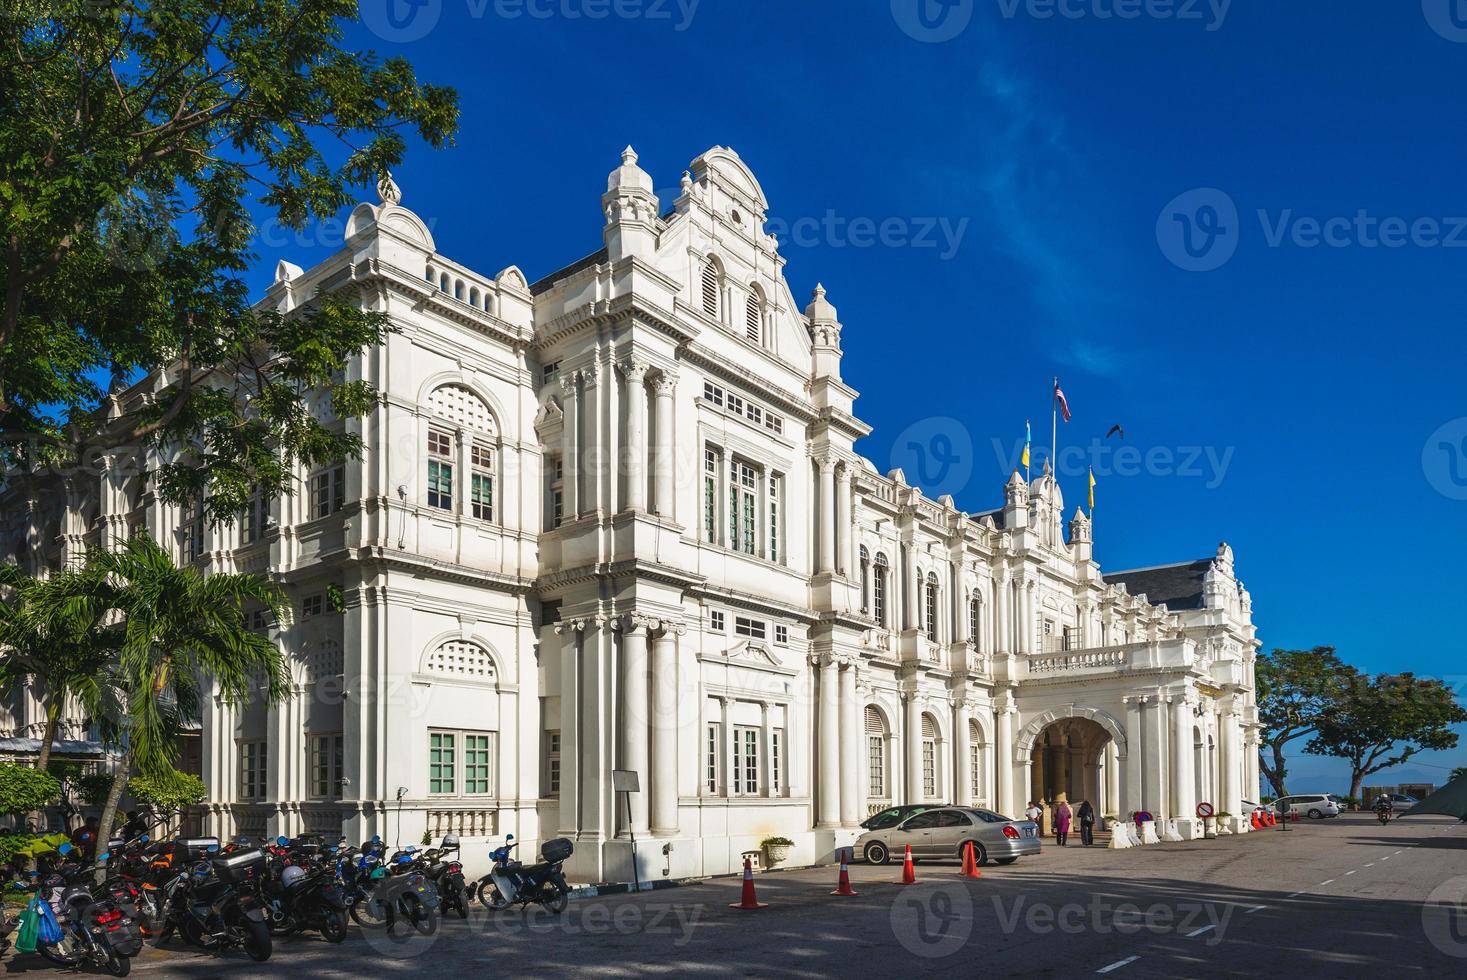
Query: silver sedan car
[[943, 832]]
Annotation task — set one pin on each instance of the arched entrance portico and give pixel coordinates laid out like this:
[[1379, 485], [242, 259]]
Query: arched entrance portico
[[1068, 757]]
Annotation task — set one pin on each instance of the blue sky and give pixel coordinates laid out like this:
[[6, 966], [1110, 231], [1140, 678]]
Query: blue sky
[[1042, 179]]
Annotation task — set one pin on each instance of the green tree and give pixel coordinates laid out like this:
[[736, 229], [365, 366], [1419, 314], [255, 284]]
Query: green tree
[[135, 140], [1295, 689], [1459, 772], [181, 633], [24, 789], [50, 644], [1382, 721], [167, 791]]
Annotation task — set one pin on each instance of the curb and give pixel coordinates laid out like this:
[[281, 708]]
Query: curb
[[662, 884]]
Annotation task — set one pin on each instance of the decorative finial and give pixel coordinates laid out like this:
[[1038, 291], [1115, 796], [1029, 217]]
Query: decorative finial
[[628, 156], [387, 190], [819, 291], [687, 182]]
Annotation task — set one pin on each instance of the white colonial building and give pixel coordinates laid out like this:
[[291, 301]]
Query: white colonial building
[[615, 519]]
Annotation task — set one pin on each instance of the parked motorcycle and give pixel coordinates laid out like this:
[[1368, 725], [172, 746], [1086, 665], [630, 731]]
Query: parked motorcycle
[[447, 877], [409, 893], [509, 882], [300, 893], [96, 929], [212, 903]]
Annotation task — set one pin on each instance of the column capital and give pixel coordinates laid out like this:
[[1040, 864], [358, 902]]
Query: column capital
[[634, 369], [567, 381], [664, 383], [591, 373]]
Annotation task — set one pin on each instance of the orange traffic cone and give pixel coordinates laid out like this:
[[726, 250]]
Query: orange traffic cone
[[909, 872], [970, 862], [1253, 819], [748, 901], [843, 883]]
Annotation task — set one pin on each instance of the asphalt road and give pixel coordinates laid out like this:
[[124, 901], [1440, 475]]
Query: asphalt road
[[1328, 898]]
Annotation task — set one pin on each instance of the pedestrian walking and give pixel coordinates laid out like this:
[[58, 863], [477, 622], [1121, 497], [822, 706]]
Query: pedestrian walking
[[1062, 818], [1036, 813], [1086, 815]]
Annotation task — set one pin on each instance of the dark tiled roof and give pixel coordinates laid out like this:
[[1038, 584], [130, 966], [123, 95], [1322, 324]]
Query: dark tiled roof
[[1174, 586], [542, 284], [997, 516]]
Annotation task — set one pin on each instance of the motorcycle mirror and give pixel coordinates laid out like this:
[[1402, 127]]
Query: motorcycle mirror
[[282, 840], [104, 855], [376, 839], [143, 839], [64, 849], [211, 848], [508, 837]]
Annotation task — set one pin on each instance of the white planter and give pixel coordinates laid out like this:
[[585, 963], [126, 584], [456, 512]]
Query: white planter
[[777, 853]]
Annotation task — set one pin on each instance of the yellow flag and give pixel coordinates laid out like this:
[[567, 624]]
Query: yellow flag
[[1092, 488], [1024, 459]]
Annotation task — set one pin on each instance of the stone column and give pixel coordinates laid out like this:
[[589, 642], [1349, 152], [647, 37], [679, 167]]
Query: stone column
[[827, 732], [914, 749], [850, 785], [633, 723], [665, 731], [961, 748], [825, 518], [1154, 788], [635, 451], [1132, 762], [1112, 801], [1024, 629], [569, 445], [1184, 802], [570, 721], [842, 514], [663, 387], [1232, 777], [1003, 760], [1003, 609]]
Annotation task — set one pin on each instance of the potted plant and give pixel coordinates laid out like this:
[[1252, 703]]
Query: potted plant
[[777, 849], [1222, 822]]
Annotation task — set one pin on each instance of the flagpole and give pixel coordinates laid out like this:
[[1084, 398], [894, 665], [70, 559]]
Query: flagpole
[[1054, 429], [1027, 439]]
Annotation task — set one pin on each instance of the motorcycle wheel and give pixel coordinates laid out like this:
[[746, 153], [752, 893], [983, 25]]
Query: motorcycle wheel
[[424, 919], [490, 898], [58, 952], [192, 931], [555, 901], [333, 925], [461, 904], [370, 912], [117, 964], [257, 941]]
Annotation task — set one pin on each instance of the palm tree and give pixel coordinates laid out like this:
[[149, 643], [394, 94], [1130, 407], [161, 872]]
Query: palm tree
[[178, 630], [53, 643]]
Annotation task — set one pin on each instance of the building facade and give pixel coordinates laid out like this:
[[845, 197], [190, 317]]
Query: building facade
[[615, 520]]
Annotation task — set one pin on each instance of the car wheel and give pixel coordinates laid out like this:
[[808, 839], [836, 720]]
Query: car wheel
[[1314, 814], [980, 855], [876, 853]]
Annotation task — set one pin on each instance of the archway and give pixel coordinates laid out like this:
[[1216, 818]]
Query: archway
[[1068, 759]]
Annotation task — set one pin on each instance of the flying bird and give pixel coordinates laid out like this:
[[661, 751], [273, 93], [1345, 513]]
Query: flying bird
[[1116, 430]]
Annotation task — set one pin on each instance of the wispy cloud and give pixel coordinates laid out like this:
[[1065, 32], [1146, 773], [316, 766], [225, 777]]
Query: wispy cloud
[[1028, 174]]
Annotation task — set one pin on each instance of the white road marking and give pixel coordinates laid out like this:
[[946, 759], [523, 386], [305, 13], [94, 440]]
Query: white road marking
[[1348, 873], [1197, 932], [1118, 964], [1371, 864], [1256, 908], [1386, 858], [1323, 883], [1398, 852]]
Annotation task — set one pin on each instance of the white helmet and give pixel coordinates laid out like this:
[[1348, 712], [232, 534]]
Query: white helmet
[[291, 875]]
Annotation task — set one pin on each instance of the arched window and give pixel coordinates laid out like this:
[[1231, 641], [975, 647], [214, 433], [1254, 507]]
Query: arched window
[[711, 284], [865, 579], [462, 658], [458, 290], [878, 589], [455, 410], [932, 606], [974, 619], [975, 760], [443, 281], [754, 317], [929, 757], [876, 753]]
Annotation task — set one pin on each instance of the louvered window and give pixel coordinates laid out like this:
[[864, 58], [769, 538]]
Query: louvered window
[[710, 289]]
